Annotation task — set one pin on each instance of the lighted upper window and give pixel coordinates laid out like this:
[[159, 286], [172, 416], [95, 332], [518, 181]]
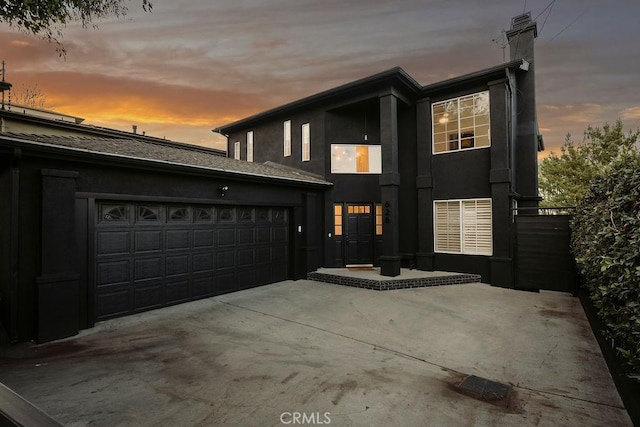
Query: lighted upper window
[[306, 143], [236, 150], [347, 158], [250, 146], [461, 123], [286, 142]]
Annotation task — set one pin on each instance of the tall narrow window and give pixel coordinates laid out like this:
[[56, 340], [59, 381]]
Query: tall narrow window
[[286, 142], [337, 220], [236, 150], [250, 146], [378, 220], [306, 143]]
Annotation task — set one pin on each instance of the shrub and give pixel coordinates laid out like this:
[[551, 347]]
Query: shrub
[[606, 244]]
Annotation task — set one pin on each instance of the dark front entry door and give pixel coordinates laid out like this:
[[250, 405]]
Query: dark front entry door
[[359, 234]]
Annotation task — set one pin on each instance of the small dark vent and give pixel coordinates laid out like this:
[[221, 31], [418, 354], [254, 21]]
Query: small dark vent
[[521, 20]]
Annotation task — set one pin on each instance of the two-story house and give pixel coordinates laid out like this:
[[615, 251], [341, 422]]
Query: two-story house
[[425, 175]]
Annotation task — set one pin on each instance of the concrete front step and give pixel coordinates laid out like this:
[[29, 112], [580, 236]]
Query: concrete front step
[[407, 278]]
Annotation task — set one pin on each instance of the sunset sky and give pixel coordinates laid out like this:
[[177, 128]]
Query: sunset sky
[[192, 65]]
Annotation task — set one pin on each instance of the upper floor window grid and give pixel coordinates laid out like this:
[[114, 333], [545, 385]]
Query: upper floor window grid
[[286, 142], [461, 123], [306, 143], [250, 146]]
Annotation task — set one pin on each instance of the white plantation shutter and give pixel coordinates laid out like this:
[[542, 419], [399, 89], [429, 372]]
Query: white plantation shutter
[[464, 226], [477, 233], [447, 227]]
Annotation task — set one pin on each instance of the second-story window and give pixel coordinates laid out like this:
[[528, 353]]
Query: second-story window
[[236, 150], [250, 146], [286, 142], [461, 123], [306, 143]]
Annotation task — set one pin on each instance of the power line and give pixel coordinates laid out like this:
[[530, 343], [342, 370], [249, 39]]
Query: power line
[[545, 19], [570, 24]]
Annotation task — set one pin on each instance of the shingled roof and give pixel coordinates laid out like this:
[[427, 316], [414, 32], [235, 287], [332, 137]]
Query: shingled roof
[[133, 149]]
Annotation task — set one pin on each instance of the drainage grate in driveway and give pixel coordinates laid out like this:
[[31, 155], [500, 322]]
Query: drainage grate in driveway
[[484, 389]]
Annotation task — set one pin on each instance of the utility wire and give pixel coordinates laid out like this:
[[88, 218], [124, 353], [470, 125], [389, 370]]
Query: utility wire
[[570, 24], [545, 19]]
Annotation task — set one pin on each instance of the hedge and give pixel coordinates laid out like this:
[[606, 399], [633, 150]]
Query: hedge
[[606, 244]]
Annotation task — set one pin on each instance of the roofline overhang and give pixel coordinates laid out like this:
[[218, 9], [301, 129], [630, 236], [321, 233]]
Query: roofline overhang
[[393, 75], [484, 74], [155, 163], [101, 131]]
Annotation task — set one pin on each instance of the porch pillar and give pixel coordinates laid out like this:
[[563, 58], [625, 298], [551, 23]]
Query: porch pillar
[[389, 187]]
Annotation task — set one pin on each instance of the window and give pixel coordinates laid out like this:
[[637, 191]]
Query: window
[[461, 123], [463, 226], [286, 142], [115, 213], [306, 143], [337, 220], [148, 213], [245, 214], [236, 150], [359, 209], [378, 220], [204, 214], [250, 146], [179, 214], [348, 158], [226, 215]]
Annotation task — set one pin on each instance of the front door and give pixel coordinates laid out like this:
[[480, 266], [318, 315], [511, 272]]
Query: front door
[[359, 234]]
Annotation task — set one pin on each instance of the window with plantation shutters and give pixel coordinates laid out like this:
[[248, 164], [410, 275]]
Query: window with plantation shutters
[[447, 236], [463, 226], [476, 227]]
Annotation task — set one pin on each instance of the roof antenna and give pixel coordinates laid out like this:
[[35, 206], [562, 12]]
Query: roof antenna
[[502, 42]]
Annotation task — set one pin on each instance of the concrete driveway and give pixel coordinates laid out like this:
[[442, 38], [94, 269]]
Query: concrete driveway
[[304, 352]]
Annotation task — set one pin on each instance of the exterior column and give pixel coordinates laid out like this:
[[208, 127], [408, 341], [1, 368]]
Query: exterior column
[[58, 283], [389, 186], [500, 178], [425, 259]]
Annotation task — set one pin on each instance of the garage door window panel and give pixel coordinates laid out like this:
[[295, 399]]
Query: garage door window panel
[[203, 215], [114, 213], [148, 214], [178, 214]]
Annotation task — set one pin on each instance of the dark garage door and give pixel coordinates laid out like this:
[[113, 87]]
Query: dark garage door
[[152, 255]]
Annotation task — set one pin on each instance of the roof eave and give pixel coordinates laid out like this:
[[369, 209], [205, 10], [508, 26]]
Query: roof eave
[[396, 72], [476, 75]]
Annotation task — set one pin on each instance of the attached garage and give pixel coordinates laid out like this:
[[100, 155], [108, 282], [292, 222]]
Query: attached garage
[[152, 255], [97, 228]]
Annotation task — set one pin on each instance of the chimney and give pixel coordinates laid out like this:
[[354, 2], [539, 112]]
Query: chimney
[[135, 128], [521, 36]]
